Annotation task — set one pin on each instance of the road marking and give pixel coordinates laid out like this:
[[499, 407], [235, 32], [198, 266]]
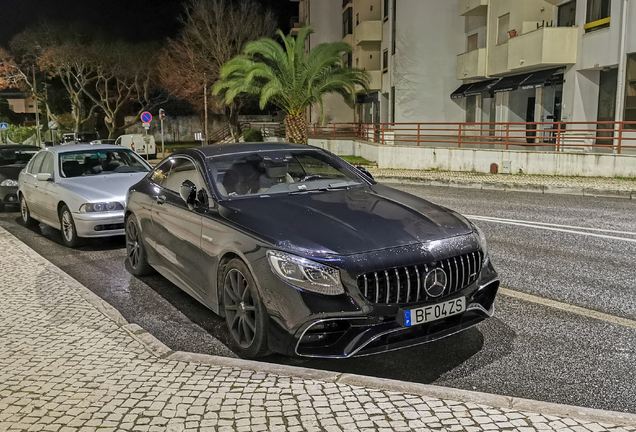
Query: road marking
[[589, 313], [555, 225], [551, 228]]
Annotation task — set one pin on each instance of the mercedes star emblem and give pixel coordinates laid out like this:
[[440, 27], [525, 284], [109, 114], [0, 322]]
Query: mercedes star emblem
[[435, 282]]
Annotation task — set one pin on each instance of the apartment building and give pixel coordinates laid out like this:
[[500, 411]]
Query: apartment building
[[483, 60]]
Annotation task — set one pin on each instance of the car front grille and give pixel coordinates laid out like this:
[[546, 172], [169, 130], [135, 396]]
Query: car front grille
[[403, 285]]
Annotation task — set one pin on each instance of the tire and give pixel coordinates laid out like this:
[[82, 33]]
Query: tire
[[135, 251], [26, 218], [67, 225], [245, 314]]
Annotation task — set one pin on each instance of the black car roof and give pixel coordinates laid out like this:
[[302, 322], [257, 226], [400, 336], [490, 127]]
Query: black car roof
[[223, 149]]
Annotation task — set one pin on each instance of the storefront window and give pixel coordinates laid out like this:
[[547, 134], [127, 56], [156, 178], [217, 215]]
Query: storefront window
[[471, 109], [630, 93]]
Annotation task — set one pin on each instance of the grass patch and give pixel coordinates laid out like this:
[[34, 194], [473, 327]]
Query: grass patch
[[357, 160]]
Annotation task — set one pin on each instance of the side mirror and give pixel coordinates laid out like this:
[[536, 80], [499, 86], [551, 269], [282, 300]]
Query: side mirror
[[188, 193], [365, 172], [44, 177]]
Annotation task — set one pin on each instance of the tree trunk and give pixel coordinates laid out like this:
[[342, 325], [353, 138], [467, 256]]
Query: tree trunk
[[296, 129]]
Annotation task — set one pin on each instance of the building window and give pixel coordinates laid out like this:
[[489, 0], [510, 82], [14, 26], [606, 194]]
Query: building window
[[385, 61], [347, 23], [473, 42], [567, 14], [349, 60], [393, 31], [503, 26], [630, 91], [385, 10], [598, 15], [357, 19], [392, 104], [471, 109]]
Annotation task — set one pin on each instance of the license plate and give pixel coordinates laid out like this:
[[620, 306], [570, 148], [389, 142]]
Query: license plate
[[434, 312]]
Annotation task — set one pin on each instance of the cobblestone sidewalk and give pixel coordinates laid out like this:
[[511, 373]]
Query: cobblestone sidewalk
[[537, 183], [68, 364]]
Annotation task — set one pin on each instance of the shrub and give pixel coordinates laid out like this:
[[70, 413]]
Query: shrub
[[253, 135]]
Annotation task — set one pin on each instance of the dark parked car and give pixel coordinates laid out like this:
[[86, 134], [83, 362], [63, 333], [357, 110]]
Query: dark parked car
[[13, 159], [303, 254]]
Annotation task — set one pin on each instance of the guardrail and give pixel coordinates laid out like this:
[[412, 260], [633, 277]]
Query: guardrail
[[602, 137]]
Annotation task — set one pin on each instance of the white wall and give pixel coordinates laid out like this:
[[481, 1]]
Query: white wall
[[473, 160], [429, 37], [325, 16]]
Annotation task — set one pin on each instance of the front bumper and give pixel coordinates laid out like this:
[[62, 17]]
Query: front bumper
[[99, 224], [9, 195]]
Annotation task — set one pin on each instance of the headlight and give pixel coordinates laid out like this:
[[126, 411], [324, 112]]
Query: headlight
[[481, 239], [101, 207], [9, 182], [305, 274]]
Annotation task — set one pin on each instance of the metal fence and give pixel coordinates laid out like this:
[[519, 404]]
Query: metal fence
[[588, 137]]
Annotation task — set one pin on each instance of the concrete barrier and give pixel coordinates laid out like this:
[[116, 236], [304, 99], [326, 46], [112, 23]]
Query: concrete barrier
[[479, 160]]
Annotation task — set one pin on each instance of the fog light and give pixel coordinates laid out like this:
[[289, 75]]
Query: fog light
[[11, 199], [98, 227]]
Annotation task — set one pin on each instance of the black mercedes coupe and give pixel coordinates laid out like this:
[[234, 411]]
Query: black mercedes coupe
[[306, 255]]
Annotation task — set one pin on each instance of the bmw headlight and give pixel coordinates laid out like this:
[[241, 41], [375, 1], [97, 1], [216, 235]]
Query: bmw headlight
[[101, 207], [9, 182], [305, 274], [481, 239]]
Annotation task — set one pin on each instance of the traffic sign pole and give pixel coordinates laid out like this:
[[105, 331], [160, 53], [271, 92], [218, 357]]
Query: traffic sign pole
[[162, 115]]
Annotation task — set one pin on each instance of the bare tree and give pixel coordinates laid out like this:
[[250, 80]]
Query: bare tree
[[214, 32], [125, 77]]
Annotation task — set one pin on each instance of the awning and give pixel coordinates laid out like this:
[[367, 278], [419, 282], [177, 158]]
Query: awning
[[541, 78], [480, 87], [459, 93], [509, 83]]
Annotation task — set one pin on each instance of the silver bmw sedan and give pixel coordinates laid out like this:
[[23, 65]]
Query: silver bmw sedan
[[79, 189]]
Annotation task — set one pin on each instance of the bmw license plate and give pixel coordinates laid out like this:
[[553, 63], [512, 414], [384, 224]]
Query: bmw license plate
[[434, 312]]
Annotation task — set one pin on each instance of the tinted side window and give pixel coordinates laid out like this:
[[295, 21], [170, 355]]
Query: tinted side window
[[47, 164], [34, 168], [160, 174], [182, 170]]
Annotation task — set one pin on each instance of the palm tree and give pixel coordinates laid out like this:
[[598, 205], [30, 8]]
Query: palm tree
[[290, 78]]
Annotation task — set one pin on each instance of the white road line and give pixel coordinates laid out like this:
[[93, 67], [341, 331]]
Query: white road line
[[485, 219], [589, 313], [554, 225]]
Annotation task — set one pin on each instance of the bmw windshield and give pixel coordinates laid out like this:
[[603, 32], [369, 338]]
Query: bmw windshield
[[278, 172], [103, 161]]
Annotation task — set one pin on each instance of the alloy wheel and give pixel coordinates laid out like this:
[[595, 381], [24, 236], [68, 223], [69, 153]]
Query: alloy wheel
[[67, 226], [240, 309], [24, 210], [132, 243]]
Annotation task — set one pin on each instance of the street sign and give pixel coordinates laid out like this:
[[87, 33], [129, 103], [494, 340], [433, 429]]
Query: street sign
[[4, 126], [146, 126], [146, 117]]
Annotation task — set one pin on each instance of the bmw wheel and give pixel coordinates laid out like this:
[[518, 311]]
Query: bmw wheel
[[27, 220], [69, 233], [245, 314], [135, 250]]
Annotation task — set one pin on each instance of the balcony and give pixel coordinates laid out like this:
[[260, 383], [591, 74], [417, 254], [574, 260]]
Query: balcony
[[368, 31], [295, 24], [548, 46], [473, 7], [472, 64], [348, 39], [375, 81]]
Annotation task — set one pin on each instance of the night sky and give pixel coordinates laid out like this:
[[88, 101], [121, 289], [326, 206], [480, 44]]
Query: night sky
[[130, 20]]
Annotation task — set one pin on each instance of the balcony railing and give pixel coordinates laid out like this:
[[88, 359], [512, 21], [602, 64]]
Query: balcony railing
[[588, 137], [548, 46], [368, 31], [471, 64], [473, 7], [346, 2]]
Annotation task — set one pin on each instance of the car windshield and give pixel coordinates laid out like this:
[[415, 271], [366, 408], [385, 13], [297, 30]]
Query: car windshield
[[104, 161], [13, 156], [277, 172]]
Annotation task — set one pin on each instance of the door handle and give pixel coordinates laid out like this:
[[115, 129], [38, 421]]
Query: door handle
[[161, 199]]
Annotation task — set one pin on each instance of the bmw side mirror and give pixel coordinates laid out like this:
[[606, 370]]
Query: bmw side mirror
[[44, 177], [188, 192], [365, 172]]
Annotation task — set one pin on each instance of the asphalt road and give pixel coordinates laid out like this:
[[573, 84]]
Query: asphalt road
[[527, 350]]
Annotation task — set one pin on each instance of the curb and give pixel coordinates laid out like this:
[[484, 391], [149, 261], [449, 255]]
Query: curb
[[512, 187], [158, 349]]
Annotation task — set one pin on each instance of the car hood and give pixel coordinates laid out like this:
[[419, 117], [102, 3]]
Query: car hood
[[108, 187], [11, 171], [345, 222]]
